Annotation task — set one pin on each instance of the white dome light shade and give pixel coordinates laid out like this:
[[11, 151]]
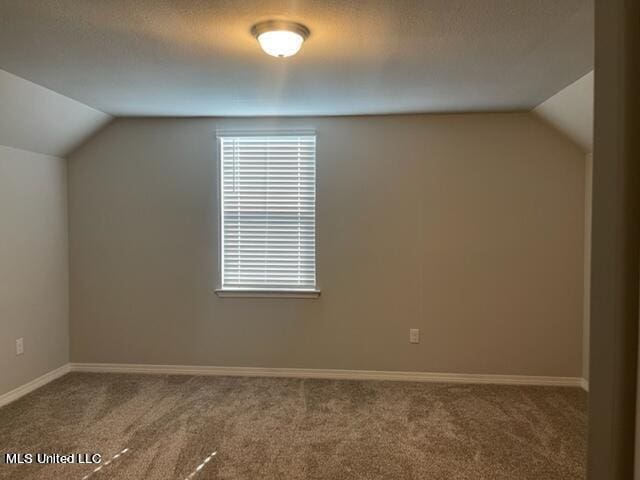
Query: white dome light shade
[[280, 43], [280, 39]]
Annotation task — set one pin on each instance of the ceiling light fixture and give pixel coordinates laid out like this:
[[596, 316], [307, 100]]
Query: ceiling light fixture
[[280, 38]]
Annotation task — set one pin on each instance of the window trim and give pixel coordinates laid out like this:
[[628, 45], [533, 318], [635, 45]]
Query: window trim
[[304, 293], [242, 293]]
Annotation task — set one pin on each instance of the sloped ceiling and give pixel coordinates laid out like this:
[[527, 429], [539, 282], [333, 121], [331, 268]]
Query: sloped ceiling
[[37, 119], [198, 57], [571, 111]]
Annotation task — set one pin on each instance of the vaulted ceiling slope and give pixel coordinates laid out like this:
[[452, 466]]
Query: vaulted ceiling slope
[[37, 119], [195, 57], [571, 111]]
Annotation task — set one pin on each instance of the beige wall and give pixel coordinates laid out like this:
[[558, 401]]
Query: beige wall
[[571, 112], [33, 260], [469, 227]]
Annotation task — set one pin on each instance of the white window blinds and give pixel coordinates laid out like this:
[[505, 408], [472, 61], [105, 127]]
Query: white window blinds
[[268, 201]]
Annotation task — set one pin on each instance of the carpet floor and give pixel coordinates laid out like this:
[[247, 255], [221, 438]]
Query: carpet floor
[[197, 428]]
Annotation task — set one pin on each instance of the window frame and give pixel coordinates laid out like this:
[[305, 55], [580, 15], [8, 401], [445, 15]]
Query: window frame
[[266, 292]]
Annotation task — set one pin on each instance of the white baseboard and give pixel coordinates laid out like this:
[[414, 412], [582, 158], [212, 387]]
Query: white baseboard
[[34, 384], [292, 373], [328, 374]]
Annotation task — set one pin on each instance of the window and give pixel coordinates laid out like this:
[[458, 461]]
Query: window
[[268, 214]]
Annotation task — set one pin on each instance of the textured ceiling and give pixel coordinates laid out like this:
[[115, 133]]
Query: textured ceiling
[[197, 57]]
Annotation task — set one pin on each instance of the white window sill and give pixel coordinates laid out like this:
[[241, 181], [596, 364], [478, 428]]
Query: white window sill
[[230, 293]]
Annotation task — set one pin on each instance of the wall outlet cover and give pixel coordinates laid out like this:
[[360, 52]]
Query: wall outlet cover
[[414, 335], [19, 346]]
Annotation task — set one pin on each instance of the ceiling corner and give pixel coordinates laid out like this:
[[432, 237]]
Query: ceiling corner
[[40, 120]]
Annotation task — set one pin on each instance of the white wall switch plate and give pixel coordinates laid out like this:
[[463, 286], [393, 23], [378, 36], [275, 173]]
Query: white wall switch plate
[[19, 346], [414, 335]]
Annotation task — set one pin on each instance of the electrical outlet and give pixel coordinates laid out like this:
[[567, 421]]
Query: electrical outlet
[[19, 346], [414, 335]]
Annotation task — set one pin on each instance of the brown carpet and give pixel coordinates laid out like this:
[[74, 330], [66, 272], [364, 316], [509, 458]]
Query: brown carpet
[[268, 428]]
